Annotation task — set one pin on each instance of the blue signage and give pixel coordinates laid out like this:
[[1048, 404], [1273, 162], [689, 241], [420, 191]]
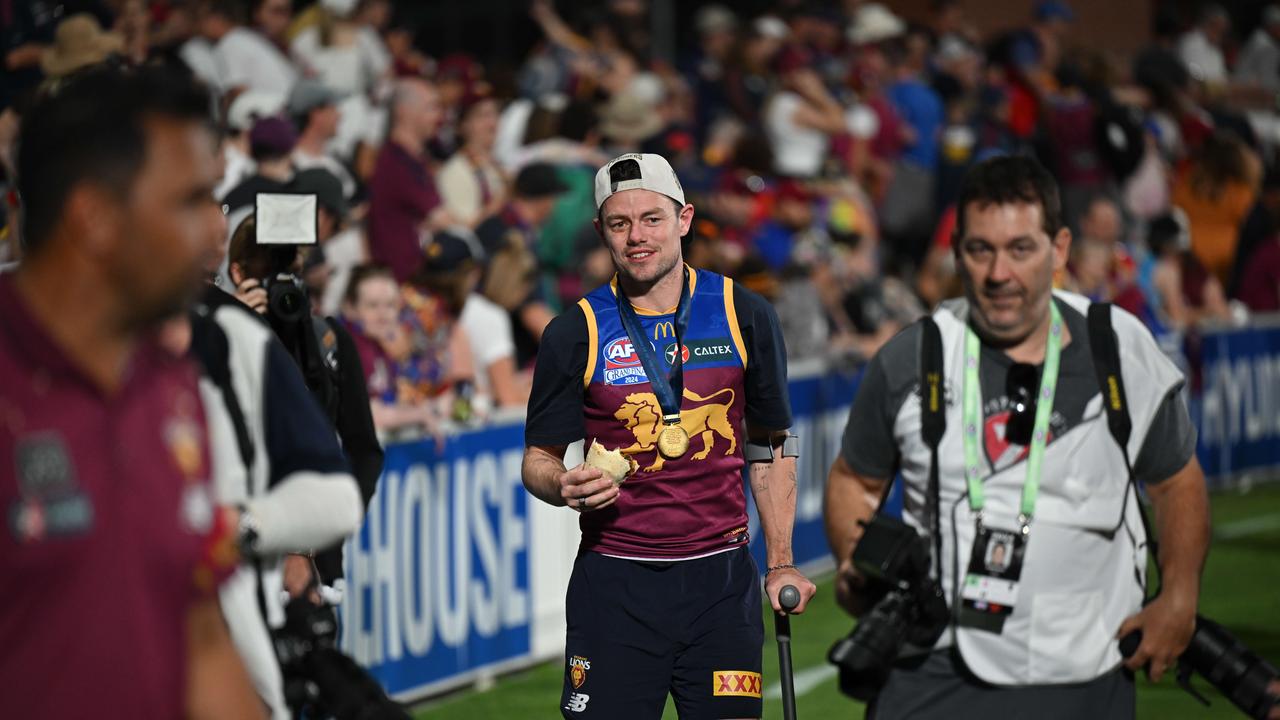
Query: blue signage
[[439, 574], [1237, 408]]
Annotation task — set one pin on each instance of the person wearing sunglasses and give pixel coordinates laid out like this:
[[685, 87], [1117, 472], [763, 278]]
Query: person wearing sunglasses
[[1026, 464]]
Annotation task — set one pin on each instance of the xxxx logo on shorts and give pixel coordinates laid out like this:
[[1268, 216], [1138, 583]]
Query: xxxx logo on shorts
[[735, 683], [578, 667]]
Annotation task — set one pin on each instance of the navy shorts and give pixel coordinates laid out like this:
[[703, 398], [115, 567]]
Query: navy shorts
[[640, 630], [938, 686]]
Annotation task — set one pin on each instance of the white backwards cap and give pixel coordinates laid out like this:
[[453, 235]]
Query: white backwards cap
[[638, 171]]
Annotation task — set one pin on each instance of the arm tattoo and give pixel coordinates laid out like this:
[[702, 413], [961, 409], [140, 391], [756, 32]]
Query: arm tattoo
[[760, 477]]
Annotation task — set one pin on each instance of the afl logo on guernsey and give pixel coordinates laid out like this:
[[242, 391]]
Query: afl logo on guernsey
[[622, 363], [621, 353]]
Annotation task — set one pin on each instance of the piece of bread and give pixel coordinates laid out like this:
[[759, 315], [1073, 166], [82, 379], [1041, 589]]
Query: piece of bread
[[612, 463]]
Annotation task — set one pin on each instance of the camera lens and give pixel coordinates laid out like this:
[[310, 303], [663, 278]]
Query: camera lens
[[1231, 667], [286, 300]]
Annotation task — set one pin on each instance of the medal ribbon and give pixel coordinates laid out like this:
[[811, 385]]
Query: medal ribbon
[[972, 419], [668, 389]]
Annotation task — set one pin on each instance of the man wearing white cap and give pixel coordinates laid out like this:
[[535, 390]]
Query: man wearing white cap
[[664, 365], [244, 111]]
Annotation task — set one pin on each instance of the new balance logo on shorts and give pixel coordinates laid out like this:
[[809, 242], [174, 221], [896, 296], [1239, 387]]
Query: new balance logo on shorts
[[735, 683], [577, 702]]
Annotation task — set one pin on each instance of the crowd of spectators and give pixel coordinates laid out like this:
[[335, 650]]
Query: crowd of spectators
[[822, 144]]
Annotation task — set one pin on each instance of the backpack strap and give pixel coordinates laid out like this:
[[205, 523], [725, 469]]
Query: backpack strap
[[209, 343]]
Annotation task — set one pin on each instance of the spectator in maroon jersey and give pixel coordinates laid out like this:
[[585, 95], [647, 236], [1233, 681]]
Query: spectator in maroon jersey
[[403, 199]]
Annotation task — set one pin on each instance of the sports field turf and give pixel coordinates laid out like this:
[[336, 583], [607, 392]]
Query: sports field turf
[[1241, 590]]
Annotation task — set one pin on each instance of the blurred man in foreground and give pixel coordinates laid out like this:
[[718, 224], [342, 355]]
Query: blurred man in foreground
[[111, 546]]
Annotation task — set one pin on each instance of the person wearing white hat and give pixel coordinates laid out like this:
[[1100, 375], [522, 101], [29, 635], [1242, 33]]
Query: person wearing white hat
[[875, 23], [245, 109], [664, 364]]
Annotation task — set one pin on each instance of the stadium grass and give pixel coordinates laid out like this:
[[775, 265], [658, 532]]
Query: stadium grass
[[1241, 590]]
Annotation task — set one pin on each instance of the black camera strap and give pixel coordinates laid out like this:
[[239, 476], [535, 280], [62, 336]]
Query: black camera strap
[[1106, 364], [933, 423]]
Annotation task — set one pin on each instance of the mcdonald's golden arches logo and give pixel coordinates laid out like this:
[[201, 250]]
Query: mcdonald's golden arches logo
[[664, 329]]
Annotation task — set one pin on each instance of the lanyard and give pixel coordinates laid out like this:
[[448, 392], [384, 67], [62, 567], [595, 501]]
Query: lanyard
[[669, 390], [972, 419]]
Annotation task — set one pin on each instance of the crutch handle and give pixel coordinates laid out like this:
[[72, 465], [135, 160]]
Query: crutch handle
[[788, 598]]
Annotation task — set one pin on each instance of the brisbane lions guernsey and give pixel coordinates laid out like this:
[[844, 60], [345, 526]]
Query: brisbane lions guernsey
[[589, 383]]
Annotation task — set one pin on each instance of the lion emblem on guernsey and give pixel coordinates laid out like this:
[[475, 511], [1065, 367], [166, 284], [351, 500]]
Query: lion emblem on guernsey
[[643, 417]]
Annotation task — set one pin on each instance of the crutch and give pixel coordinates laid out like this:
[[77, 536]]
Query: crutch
[[788, 598]]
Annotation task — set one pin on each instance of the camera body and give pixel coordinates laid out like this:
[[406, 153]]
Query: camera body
[[275, 261], [319, 680], [284, 224], [909, 606]]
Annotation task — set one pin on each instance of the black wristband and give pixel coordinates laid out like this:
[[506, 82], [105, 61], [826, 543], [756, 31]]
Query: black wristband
[[778, 567]]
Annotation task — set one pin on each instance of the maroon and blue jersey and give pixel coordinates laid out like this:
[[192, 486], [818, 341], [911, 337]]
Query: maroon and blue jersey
[[590, 384]]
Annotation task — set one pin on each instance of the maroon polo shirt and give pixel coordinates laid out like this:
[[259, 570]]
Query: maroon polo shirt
[[105, 528], [402, 194]]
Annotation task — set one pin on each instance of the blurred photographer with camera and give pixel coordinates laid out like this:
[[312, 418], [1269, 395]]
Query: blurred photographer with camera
[[322, 349], [273, 457], [1021, 555]]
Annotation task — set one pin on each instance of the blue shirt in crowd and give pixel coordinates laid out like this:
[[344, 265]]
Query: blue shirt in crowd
[[919, 107]]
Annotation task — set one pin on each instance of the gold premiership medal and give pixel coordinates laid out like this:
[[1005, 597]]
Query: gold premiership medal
[[673, 442]]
